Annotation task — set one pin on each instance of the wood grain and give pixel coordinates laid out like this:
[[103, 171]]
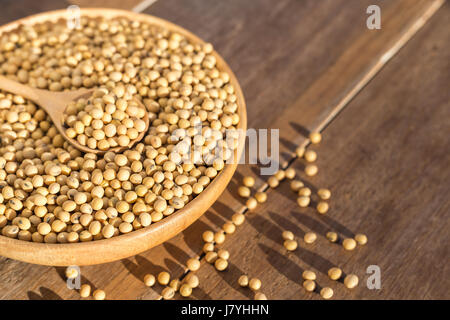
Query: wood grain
[[116, 4], [295, 65], [385, 159], [13, 9], [324, 85]]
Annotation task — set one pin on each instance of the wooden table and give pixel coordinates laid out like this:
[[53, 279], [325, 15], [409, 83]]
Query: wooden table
[[380, 99]]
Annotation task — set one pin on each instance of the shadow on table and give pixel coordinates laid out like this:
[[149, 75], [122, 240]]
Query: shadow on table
[[288, 144], [231, 275], [323, 224], [232, 187], [285, 266], [61, 271], [285, 191], [142, 267], [286, 224], [44, 294], [194, 239], [176, 253], [174, 267], [199, 294], [223, 210], [274, 233], [215, 219], [300, 129], [311, 223]]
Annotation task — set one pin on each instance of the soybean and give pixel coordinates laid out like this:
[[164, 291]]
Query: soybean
[[185, 290], [290, 245], [149, 280], [163, 278], [85, 290], [349, 244], [99, 294], [332, 236], [309, 275], [326, 293], [334, 273], [351, 281], [310, 237], [243, 280], [361, 239], [254, 284], [315, 137], [193, 264], [221, 264], [309, 285]]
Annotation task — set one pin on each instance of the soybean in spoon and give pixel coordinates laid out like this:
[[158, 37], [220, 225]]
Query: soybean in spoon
[[74, 113]]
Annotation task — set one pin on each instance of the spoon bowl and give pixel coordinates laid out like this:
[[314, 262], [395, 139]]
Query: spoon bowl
[[55, 103]]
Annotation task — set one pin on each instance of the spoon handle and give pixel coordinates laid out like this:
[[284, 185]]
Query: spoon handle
[[18, 88]]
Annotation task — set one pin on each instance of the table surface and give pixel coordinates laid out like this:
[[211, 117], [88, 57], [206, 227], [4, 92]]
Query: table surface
[[380, 99]]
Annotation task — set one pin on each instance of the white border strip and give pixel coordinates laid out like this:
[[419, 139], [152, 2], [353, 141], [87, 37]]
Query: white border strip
[[143, 5]]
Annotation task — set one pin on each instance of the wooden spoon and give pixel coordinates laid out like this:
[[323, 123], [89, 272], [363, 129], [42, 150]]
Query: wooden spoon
[[55, 103]]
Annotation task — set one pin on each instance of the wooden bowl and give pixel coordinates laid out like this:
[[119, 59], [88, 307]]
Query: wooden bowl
[[123, 246]]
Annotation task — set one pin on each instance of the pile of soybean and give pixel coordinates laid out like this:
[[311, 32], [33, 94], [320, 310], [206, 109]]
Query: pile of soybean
[[52, 192]]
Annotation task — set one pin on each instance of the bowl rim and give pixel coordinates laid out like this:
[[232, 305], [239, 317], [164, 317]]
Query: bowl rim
[[126, 245]]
